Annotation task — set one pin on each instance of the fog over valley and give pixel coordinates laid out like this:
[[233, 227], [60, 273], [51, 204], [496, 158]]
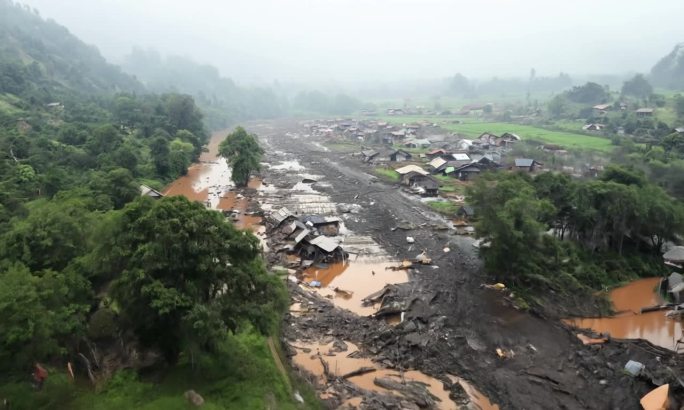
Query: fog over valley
[[351, 40]]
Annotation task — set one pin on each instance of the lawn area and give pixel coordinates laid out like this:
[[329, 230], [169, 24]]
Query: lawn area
[[526, 132], [448, 208], [473, 127], [387, 174], [243, 375]]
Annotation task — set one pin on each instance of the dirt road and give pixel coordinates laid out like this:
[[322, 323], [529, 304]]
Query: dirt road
[[545, 366]]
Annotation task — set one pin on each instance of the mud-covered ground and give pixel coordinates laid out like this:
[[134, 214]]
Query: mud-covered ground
[[452, 325]]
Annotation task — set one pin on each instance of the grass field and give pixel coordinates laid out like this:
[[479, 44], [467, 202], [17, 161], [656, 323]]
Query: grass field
[[526, 132], [387, 174], [473, 127], [444, 207]]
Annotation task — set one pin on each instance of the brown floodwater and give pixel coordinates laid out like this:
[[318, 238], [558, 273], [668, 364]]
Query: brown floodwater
[[629, 323], [347, 283], [204, 179], [208, 181], [340, 364]]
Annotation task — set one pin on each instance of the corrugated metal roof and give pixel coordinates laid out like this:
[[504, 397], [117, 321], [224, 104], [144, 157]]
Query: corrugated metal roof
[[437, 162], [280, 215], [411, 168], [325, 243], [523, 162], [461, 157]]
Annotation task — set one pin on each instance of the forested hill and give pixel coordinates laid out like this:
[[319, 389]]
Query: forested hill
[[222, 101], [669, 71], [94, 275], [52, 57]]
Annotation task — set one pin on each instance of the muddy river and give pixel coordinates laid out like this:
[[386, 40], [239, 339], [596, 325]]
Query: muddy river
[[629, 323]]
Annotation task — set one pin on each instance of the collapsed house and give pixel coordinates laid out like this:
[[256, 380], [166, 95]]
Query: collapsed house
[[311, 238]]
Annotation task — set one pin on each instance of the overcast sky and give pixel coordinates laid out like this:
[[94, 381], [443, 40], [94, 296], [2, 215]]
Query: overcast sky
[[346, 40]]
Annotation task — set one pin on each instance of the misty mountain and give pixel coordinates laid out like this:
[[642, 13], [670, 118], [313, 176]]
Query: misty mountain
[[669, 71], [52, 56], [222, 101]]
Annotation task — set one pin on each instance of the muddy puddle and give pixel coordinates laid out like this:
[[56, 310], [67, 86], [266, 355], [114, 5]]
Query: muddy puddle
[[309, 356], [628, 323], [347, 283]]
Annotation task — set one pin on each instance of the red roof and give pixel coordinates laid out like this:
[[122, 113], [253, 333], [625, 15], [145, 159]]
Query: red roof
[[437, 151]]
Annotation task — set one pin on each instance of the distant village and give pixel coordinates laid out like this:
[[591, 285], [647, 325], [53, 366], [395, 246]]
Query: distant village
[[425, 158]]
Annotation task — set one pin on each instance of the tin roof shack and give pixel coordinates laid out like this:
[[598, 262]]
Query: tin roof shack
[[368, 155], [323, 225], [322, 249], [508, 138], [527, 164], [435, 153], [417, 143], [675, 257], [400, 156], [280, 216], [436, 164], [601, 109], [151, 192], [593, 127], [466, 172], [675, 287], [645, 112], [425, 185], [411, 168]]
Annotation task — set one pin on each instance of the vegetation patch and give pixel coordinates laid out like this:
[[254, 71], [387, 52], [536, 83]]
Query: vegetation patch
[[387, 174], [444, 207]]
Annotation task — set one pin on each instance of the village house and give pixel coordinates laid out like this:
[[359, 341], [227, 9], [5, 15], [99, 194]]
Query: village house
[[508, 138], [425, 185], [400, 156], [601, 109], [644, 112], [464, 144], [593, 127], [466, 172], [460, 156], [417, 143], [411, 168], [487, 139], [436, 153], [436, 164], [368, 155], [527, 164], [395, 111]]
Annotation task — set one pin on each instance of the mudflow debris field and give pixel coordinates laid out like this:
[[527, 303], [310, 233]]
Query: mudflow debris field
[[379, 321]]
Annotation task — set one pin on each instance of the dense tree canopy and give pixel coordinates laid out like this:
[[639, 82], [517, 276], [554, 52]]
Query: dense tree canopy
[[243, 152], [533, 224], [187, 276]]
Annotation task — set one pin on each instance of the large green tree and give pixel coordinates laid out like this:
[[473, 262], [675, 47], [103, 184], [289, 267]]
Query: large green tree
[[185, 276], [243, 152]]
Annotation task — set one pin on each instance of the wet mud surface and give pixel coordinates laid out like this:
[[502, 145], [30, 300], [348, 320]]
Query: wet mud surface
[[453, 326], [440, 322]]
